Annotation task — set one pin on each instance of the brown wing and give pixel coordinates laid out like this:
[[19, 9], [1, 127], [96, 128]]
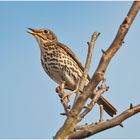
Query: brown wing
[[71, 53], [106, 105]]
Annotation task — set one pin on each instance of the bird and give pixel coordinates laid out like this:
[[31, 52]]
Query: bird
[[61, 64]]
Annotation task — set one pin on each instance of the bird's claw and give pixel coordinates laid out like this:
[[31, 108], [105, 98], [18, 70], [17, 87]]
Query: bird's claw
[[66, 96]]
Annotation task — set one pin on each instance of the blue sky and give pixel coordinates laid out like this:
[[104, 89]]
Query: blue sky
[[29, 105]]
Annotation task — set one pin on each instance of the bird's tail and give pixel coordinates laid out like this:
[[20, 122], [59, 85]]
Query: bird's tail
[[107, 106]]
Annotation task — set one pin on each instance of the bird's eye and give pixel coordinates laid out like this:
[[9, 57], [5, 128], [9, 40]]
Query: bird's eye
[[46, 31]]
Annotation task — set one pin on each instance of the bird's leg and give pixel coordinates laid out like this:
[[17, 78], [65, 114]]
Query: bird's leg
[[77, 88], [67, 95], [61, 93]]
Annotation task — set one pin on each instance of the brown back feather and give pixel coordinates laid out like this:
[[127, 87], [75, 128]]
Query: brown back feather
[[71, 53]]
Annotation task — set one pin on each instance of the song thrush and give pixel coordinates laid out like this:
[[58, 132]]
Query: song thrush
[[61, 64]]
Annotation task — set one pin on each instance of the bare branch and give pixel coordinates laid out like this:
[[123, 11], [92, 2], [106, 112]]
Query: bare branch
[[91, 45], [117, 43], [81, 85], [89, 130], [68, 128], [114, 47], [72, 121], [101, 89]]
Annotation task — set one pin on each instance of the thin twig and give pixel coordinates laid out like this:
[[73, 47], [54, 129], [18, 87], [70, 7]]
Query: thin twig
[[101, 113], [91, 46], [101, 89], [84, 78]]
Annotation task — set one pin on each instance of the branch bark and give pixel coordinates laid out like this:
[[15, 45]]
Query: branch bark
[[89, 130], [68, 128], [101, 89]]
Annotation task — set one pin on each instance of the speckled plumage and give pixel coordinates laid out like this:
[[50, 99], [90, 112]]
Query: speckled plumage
[[61, 64]]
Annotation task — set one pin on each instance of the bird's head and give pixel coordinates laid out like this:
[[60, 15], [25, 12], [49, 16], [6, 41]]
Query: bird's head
[[45, 36]]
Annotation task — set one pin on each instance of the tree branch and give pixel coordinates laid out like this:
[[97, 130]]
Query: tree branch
[[68, 128], [114, 47], [91, 45], [101, 89], [89, 130], [81, 85]]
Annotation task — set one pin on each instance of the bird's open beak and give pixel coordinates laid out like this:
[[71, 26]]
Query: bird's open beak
[[33, 31]]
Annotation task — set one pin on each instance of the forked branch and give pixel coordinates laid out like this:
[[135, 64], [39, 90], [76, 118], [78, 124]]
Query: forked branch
[[101, 89], [68, 128], [70, 116]]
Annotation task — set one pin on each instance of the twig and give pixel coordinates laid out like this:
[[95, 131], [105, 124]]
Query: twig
[[91, 46], [89, 130], [101, 113], [101, 89], [84, 78]]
